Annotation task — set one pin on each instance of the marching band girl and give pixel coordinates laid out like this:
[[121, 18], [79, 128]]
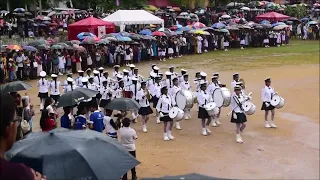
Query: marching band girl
[[70, 85], [151, 81], [203, 99], [100, 69], [116, 71], [106, 77], [134, 89], [156, 93], [173, 92], [196, 81], [266, 96], [106, 94], [91, 85], [88, 71], [181, 78], [126, 77], [217, 75], [145, 109], [210, 89], [79, 79], [137, 75], [54, 88], [43, 85], [235, 77], [131, 72], [173, 74], [163, 107], [185, 85], [168, 81], [118, 93], [238, 115], [98, 81]]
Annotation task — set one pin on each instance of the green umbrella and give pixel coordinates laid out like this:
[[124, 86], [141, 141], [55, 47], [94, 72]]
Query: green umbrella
[[14, 87], [103, 41], [56, 46], [64, 45], [123, 104], [42, 47]]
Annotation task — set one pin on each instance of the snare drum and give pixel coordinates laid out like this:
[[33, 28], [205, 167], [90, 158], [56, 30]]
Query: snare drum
[[212, 109], [176, 114], [128, 94], [222, 97], [248, 107], [184, 99], [277, 101]]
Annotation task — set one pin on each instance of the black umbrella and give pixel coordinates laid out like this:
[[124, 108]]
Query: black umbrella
[[28, 13], [73, 154], [123, 104], [192, 176], [78, 95], [14, 87]]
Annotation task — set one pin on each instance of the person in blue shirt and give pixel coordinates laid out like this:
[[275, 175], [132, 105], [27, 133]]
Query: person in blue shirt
[[65, 119], [96, 117], [80, 121]]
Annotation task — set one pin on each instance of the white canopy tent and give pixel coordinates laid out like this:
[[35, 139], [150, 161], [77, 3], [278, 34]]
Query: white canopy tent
[[129, 17]]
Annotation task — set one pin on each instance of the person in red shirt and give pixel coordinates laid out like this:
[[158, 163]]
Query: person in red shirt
[[8, 133], [46, 122]]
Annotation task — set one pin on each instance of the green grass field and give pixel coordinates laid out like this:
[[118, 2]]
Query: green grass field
[[297, 52]]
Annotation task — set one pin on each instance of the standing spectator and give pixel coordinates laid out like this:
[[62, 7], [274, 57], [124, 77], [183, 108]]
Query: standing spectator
[[62, 64], [11, 69], [9, 28], [127, 137], [39, 62], [19, 61], [55, 62], [33, 65], [2, 68], [27, 65]]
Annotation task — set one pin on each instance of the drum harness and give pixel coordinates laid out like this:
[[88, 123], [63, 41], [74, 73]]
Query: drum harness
[[238, 103]]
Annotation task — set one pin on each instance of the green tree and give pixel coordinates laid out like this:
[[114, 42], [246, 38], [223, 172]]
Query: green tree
[[298, 11]]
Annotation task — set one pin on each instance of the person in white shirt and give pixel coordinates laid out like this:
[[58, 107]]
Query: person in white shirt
[[203, 99], [19, 62], [98, 81], [173, 74], [54, 88], [145, 109], [181, 78], [126, 77], [79, 78], [235, 77], [211, 88], [134, 88], [131, 72], [89, 73], [127, 56], [266, 95], [199, 44], [164, 106], [196, 81], [106, 94], [155, 92], [100, 69], [116, 71], [168, 81], [185, 85], [62, 63], [119, 92], [127, 138], [43, 85], [238, 115], [173, 93], [70, 85], [110, 125]]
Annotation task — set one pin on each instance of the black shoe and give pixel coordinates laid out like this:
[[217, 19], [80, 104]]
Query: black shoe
[[134, 177]]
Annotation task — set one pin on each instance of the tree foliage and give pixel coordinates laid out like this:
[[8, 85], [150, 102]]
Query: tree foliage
[[298, 11]]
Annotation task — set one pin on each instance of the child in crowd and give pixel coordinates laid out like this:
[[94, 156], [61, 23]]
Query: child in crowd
[[66, 118], [110, 125]]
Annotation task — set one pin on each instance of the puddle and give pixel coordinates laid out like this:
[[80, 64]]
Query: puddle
[[306, 131]]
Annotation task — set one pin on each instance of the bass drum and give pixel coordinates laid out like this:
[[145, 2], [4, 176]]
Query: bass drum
[[222, 97], [184, 99]]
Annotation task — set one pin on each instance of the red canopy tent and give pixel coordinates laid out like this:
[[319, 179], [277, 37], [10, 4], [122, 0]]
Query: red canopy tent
[[272, 16], [89, 24]]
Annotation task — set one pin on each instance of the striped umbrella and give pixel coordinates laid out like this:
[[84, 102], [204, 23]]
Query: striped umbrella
[[14, 47]]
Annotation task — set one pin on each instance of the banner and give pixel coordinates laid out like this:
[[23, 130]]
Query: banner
[[101, 31]]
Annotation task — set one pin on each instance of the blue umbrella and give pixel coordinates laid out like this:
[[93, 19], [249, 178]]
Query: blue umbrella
[[179, 32], [218, 25], [146, 32], [304, 19], [179, 26], [19, 10], [68, 154], [186, 28], [278, 23], [265, 22], [125, 39], [84, 35], [123, 33], [29, 48]]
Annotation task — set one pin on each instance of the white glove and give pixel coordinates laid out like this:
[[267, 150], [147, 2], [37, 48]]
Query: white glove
[[267, 104], [161, 115], [275, 93], [234, 115], [249, 98]]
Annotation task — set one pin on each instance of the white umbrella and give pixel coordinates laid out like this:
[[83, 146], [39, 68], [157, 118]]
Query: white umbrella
[[52, 13], [225, 16], [245, 8]]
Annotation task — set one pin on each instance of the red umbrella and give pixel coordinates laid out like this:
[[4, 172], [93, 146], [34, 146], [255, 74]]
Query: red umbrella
[[173, 28], [53, 24], [158, 33], [273, 16]]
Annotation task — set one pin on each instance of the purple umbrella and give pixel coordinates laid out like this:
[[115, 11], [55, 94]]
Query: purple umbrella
[[29, 48]]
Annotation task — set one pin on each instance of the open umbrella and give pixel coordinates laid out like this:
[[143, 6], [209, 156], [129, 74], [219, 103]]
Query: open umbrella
[[103, 41], [225, 16], [90, 40], [78, 48], [164, 30], [199, 32], [136, 36], [14, 87], [198, 25], [83, 35], [30, 48], [111, 38], [28, 13], [38, 42], [72, 42], [125, 39], [78, 95], [278, 23], [218, 25], [146, 32], [56, 46], [14, 47], [43, 47], [20, 10], [158, 33], [64, 45], [192, 176], [245, 8], [280, 27], [123, 104], [312, 22], [69, 154], [148, 38]]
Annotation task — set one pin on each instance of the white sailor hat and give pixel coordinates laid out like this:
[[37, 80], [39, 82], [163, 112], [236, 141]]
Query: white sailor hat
[[119, 76], [186, 74], [89, 69], [95, 72], [54, 75], [156, 68], [216, 74], [152, 74], [171, 67], [183, 70], [80, 71], [267, 79], [153, 65], [235, 74], [215, 77], [237, 87], [69, 79], [84, 79], [203, 82], [125, 71], [134, 79], [116, 66], [168, 73], [43, 74], [105, 72], [203, 74], [100, 68], [132, 66]]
